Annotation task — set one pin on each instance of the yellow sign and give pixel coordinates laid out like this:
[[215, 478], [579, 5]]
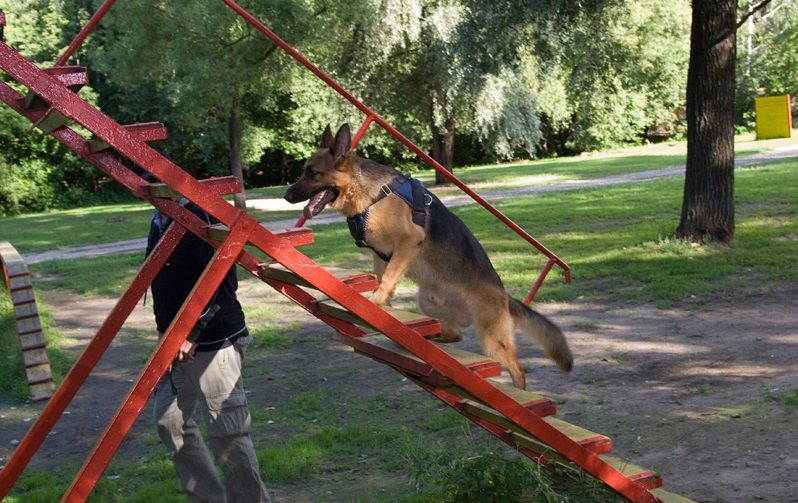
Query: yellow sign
[[773, 117]]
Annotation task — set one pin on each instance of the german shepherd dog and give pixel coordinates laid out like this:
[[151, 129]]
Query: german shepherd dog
[[411, 233]]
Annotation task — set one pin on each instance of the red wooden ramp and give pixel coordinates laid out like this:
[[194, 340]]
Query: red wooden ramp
[[462, 380]]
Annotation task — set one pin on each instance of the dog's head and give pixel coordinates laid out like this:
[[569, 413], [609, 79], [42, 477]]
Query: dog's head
[[326, 173]]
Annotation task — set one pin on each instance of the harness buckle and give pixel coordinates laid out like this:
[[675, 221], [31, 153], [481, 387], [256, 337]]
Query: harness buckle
[[386, 190]]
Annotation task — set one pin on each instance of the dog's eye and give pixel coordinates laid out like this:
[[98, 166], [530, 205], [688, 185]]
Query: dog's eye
[[312, 173]]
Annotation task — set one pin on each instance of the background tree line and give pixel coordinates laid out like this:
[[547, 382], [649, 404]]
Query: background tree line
[[472, 81]]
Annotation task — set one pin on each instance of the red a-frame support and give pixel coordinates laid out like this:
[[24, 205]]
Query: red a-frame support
[[519, 420]]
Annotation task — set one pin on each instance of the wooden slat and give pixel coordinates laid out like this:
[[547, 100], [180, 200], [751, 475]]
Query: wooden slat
[[536, 402], [382, 348], [42, 391], [74, 77], [669, 497], [28, 325], [144, 131], [32, 341], [35, 357], [362, 282], [38, 374], [19, 282], [25, 310], [22, 296], [593, 441], [422, 324], [642, 476], [51, 121], [297, 236]]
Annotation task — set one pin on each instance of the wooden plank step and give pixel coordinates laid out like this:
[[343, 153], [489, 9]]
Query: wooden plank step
[[669, 497], [535, 402], [592, 441], [42, 391], [51, 121], [33, 340], [360, 281], [642, 476], [74, 77], [218, 186], [26, 310], [35, 357], [22, 296], [424, 325], [19, 282], [296, 236], [39, 374], [383, 349], [143, 131]]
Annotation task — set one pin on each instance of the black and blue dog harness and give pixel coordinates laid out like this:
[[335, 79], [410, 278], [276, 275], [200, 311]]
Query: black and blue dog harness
[[411, 191]]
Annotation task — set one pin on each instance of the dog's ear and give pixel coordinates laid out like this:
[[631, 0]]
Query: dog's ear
[[327, 140], [343, 140]]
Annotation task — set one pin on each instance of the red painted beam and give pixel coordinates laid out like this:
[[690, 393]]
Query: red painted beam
[[224, 258], [88, 359]]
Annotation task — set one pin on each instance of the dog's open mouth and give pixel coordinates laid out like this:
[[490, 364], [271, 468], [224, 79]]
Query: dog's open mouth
[[318, 201]]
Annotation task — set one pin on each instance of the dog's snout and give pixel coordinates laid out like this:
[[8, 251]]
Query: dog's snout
[[290, 195]]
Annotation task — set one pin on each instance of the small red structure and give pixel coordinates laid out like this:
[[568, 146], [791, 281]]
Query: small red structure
[[459, 379], [29, 327]]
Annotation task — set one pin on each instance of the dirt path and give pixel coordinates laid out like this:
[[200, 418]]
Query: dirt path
[[703, 392]]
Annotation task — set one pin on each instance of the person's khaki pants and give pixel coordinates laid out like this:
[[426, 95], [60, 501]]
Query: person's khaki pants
[[212, 383]]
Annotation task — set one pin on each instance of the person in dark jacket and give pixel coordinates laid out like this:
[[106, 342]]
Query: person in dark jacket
[[206, 376]]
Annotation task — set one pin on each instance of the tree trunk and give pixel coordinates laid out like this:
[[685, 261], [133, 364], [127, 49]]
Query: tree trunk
[[442, 142], [708, 203], [236, 167]]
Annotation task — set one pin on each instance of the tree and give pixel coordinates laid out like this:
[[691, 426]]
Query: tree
[[708, 201], [221, 87]]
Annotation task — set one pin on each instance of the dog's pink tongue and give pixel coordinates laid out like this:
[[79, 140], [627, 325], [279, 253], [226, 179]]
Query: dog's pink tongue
[[316, 204], [307, 212]]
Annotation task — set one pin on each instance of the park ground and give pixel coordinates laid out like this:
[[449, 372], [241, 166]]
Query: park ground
[[704, 390]]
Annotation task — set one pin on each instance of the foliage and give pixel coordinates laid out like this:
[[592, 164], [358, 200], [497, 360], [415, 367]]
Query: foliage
[[509, 79], [36, 172]]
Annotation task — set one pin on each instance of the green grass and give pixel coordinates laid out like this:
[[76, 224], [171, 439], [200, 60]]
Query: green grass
[[106, 223], [616, 242]]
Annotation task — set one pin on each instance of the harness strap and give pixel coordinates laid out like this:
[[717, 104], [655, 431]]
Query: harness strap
[[410, 190]]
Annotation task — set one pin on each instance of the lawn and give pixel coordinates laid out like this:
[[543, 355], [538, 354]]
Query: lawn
[[616, 241]]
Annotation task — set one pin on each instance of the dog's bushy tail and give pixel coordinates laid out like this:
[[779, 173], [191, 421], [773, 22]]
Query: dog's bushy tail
[[544, 331]]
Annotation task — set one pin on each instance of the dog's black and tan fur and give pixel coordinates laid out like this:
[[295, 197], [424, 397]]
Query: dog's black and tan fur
[[457, 283]]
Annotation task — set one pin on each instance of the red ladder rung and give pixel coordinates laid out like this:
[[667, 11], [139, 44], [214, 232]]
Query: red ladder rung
[[143, 131]]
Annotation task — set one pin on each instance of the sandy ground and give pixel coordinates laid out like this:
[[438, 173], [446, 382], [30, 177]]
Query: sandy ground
[[699, 392]]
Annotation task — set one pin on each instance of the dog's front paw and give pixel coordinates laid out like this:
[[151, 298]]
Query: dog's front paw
[[381, 298]]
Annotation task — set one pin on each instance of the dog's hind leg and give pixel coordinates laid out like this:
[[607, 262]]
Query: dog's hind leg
[[494, 327], [450, 309]]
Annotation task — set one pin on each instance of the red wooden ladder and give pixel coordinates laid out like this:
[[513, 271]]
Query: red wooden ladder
[[461, 380]]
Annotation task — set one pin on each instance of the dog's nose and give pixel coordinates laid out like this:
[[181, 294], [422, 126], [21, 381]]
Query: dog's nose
[[289, 195]]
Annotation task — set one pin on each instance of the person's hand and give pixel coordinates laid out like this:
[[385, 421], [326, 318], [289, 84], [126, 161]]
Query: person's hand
[[186, 352]]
